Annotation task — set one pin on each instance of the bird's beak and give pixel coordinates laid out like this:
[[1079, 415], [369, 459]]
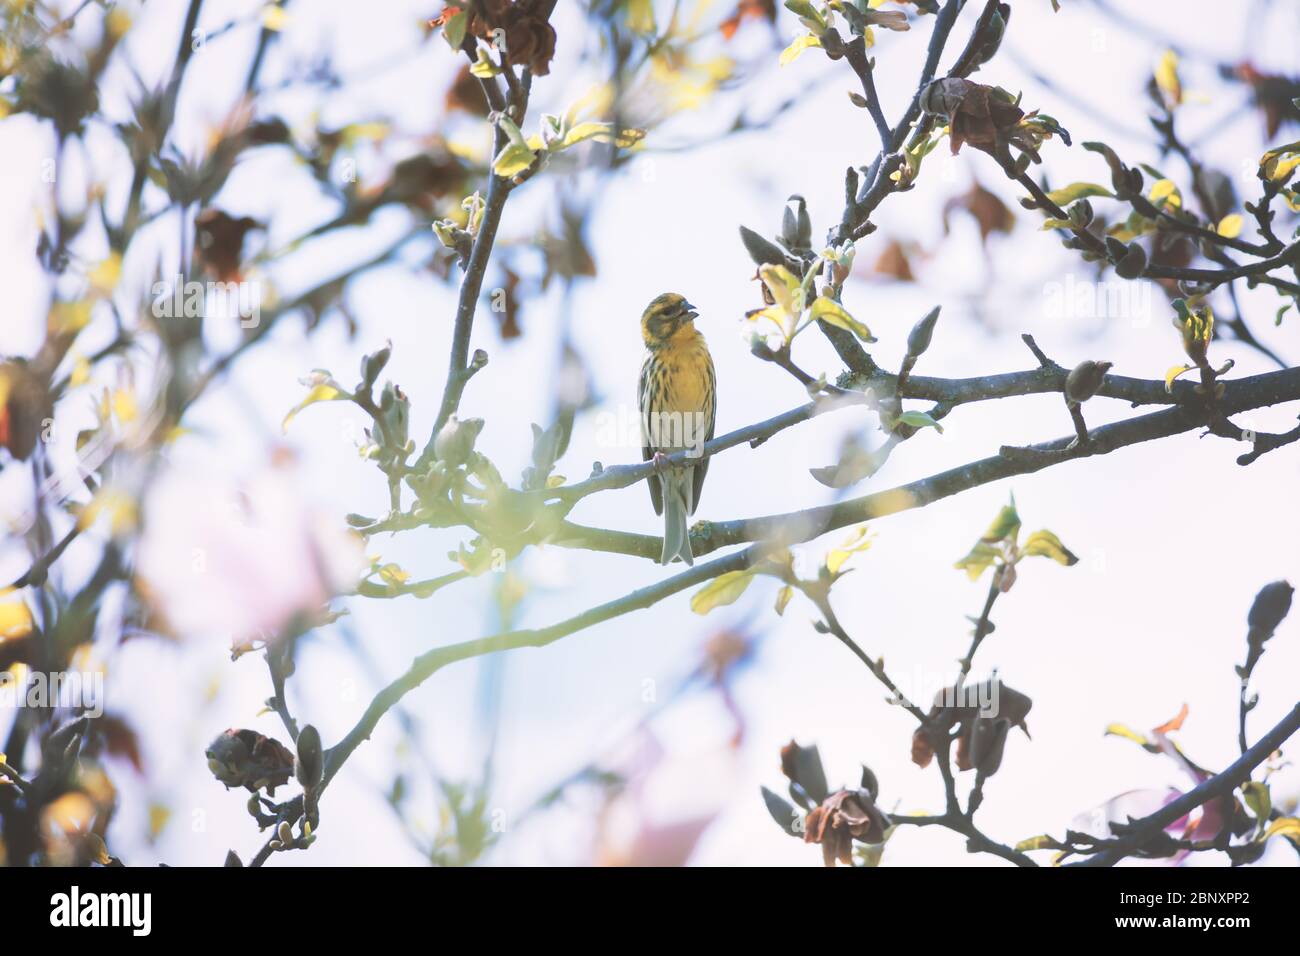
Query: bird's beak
[[691, 313]]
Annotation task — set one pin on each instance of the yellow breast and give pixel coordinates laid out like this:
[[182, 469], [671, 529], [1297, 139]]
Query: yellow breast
[[688, 374]]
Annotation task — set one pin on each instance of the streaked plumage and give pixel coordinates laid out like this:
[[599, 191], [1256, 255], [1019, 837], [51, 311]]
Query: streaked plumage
[[678, 403]]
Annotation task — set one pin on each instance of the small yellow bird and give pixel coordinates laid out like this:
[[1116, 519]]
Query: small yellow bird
[[678, 405]]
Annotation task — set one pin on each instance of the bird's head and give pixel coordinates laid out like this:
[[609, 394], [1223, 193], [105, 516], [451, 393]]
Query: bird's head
[[665, 317]]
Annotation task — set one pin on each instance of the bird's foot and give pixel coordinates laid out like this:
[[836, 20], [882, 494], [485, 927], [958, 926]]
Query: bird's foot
[[661, 462]]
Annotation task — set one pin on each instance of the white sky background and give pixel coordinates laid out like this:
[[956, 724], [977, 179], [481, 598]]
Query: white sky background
[[1175, 538]]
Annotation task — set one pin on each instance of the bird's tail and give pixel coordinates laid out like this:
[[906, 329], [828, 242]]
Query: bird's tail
[[677, 491]]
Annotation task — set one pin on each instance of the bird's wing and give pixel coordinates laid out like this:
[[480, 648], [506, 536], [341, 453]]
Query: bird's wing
[[643, 400], [702, 468]]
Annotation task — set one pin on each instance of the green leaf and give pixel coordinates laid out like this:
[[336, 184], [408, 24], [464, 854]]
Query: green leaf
[[808, 15], [920, 420], [1005, 527], [827, 310], [782, 811], [723, 590], [1068, 194], [762, 251], [454, 30], [1045, 544], [809, 772], [1258, 799]]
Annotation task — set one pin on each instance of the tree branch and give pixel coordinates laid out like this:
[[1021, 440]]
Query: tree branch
[[1221, 784], [795, 527]]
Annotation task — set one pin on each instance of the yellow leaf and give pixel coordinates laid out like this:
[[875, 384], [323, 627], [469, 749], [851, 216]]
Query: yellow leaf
[[80, 373], [1288, 827], [274, 17], [1045, 544], [124, 406], [1120, 730], [641, 17], [1278, 164], [321, 392], [555, 481], [15, 620], [484, 67], [1068, 194], [114, 502], [603, 133], [855, 543], [785, 288], [1230, 225], [159, 816], [979, 560], [117, 22], [783, 597], [827, 310], [722, 590], [105, 275], [1165, 189], [68, 318], [1167, 78], [1006, 526], [394, 575], [801, 43], [513, 160], [1040, 842], [1172, 373], [372, 132]]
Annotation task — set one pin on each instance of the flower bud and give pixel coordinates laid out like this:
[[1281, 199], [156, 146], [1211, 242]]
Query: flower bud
[[1084, 380], [455, 441], [308, 766], [1271, 605], [1080, 213], [918, 340], [373, 364]]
